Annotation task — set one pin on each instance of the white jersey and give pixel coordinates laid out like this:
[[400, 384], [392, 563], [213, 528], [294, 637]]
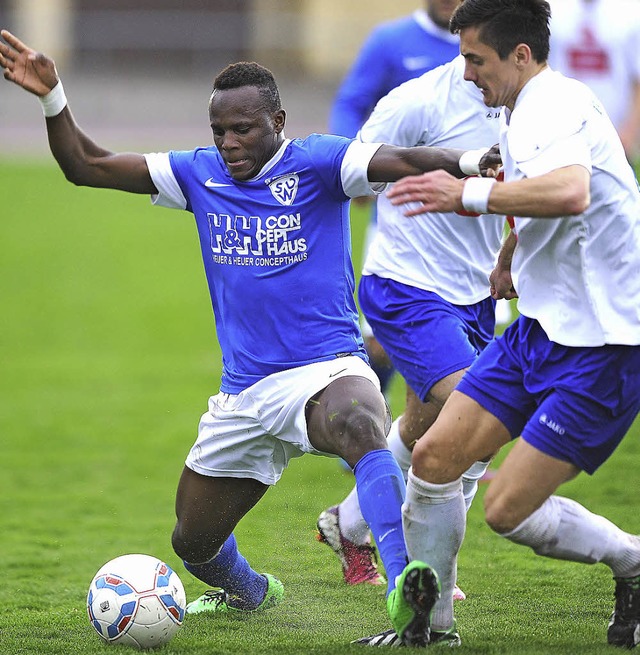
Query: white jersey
[[598, 43], [578, 276], [445, 253]]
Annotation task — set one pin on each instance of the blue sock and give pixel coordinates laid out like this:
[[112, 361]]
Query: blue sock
[[381, 491], [230, 571]]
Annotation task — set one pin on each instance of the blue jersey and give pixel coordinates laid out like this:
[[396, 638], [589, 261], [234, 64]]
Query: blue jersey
[[394, 52], [277, 257]]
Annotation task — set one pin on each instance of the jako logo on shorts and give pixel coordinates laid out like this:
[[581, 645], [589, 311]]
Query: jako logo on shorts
[[551, 424]]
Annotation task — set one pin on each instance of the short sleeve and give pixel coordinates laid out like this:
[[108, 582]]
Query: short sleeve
[[567, 151], [539, 146], [169, 191], [353, 172]]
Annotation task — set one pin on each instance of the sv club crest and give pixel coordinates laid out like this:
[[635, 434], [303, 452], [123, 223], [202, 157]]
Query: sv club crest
[[285, 188]]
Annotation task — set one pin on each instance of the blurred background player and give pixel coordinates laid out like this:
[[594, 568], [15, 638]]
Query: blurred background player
[[394, 52], [598, 43], [425, 286]]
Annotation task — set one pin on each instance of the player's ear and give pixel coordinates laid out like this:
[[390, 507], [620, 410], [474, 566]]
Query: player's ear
[[279, 119], [522, 54]]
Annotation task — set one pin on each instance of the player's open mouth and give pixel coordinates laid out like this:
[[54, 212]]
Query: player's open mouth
[[234, 165], [238, 168]]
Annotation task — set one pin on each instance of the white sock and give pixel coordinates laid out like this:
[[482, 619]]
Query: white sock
[[434, 520], [563, 529], [352, 524], [470, 481], [398, 448]]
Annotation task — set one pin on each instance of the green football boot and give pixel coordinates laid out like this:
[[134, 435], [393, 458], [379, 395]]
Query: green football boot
[[217, 600], [409, 605]]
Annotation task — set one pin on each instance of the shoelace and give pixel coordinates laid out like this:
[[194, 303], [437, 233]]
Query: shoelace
[[216, 597]]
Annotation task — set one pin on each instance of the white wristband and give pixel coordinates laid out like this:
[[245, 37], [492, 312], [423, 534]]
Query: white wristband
[[475, 194], [469, 161], [54, 102]]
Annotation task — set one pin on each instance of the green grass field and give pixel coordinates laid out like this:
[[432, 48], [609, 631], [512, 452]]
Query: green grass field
[[107, 358]]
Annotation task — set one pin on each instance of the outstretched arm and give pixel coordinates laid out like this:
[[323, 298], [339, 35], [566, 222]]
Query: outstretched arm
[[81, 159], [561, 192], [391, 163]]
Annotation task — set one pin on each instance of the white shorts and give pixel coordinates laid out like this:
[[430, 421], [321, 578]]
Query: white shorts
[[255, 433]]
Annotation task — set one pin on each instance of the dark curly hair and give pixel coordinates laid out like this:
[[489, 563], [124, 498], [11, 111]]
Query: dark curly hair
[[506, 23], [249, 73]]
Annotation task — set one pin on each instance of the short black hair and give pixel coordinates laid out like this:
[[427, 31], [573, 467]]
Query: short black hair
[[506, 23], [249, 73]]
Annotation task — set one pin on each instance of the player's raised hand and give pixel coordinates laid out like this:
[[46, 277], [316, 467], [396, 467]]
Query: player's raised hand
[[27, 68]]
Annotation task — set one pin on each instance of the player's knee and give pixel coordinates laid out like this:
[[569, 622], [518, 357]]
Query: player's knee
[[431, 462], [360, 430], [194, 548], [500, 515]]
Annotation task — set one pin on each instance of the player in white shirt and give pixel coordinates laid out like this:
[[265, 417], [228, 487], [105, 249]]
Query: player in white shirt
[[425, 284], [598, 43], [566, 375], [394, 52]]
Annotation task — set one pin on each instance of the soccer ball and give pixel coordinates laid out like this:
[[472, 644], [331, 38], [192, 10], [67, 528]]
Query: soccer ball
[[136, 600]]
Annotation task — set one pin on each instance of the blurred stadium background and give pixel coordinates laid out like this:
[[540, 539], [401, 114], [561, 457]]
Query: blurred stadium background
[[138, 72]]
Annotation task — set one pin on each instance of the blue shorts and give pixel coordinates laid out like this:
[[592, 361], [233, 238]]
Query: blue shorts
[[426, 337], [574, 404]]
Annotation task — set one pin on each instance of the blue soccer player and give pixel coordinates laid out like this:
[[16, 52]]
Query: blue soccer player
[[566, 375], [272, 216]]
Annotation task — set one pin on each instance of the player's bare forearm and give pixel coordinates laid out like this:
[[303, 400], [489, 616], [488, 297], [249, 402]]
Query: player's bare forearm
[[562, 192], [501, 284], [391, 163], [85, 163], [425, 159]]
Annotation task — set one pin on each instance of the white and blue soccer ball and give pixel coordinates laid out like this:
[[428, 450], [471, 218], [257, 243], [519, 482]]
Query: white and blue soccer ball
[[136, 600]]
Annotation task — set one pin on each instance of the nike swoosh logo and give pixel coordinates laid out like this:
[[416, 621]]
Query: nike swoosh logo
[[382, 537], [415, 63], [212, 185], [333, 375]]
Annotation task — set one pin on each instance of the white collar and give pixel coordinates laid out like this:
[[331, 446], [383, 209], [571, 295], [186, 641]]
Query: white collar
[[273, 161]]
